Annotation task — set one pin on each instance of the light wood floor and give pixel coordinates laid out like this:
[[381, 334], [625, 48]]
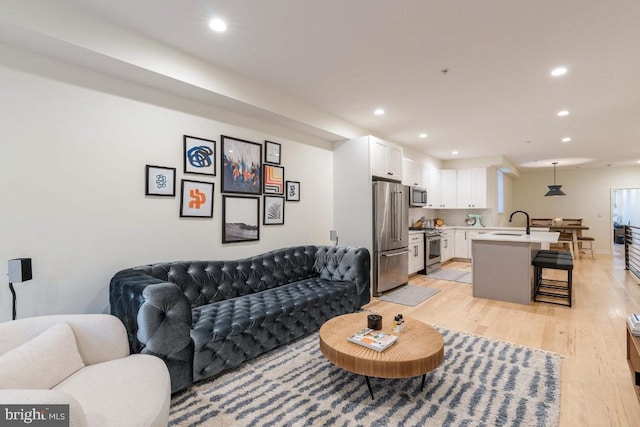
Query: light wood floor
[[596, 384]]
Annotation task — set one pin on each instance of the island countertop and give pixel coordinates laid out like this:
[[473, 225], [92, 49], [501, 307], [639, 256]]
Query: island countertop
[[517, 236]]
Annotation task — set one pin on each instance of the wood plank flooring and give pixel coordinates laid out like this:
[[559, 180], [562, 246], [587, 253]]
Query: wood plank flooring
[[596, 385]]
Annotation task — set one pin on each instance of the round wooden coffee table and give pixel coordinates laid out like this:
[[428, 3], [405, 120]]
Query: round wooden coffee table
[[419, 349]]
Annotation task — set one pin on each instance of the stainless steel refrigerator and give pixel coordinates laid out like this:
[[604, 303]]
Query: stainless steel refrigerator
[[390, 236]]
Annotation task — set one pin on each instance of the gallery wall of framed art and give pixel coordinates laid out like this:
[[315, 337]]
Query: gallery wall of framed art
[[244, 177]]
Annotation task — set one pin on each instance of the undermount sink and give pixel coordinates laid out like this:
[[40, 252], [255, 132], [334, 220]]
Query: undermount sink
[[508, 234]]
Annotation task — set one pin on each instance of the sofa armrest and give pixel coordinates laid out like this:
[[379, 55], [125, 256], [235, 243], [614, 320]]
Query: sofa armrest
[[99, 337], [158, 319], [77, 417], [347, 264]]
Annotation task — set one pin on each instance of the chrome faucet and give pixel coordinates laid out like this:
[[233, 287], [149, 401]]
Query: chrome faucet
[[526, 214]]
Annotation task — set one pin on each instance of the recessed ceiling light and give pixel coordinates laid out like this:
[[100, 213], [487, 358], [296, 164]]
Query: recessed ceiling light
[[567, 139], [423, 135], [563, 113], [218, 25], [559, 71], [638, 161], [454, 152], [378, 112]]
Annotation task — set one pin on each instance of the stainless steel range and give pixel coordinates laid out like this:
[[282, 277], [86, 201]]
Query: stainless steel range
[[433, 251]]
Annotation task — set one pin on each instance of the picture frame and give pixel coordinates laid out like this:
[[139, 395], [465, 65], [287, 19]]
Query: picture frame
[[199, 155], [272, 152], [196, 199], [293, 191], [241, 164], [240, 219], [273, 212], [160, 181], [273, 180]]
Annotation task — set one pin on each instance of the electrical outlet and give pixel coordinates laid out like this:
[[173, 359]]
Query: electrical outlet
[[333, 235]]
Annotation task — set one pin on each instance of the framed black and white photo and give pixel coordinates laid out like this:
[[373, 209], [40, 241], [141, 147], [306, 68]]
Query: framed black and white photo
[[241, 166], [160, 181], [293, 191], [240, 219], [196, 199], [199, 156], [273, 210], [272, 152]]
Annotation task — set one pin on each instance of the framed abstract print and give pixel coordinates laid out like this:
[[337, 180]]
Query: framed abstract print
[[199, 156], [241, 166]]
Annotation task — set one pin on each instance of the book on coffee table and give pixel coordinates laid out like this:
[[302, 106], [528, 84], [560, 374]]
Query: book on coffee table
[[374, 340]]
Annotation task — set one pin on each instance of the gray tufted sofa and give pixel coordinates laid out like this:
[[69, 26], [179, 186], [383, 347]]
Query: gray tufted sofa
[[203, 317]]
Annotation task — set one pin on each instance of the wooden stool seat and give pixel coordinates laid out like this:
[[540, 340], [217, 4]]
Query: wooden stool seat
[[567, 241], [590, 240]]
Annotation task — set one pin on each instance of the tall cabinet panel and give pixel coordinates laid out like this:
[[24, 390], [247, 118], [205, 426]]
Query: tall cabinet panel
[[352, 193], [354, 163]]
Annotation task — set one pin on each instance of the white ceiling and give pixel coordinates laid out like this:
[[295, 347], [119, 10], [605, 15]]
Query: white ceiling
[[349, 57]]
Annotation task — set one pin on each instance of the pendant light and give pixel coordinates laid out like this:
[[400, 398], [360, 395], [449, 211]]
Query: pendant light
[[554, 190]]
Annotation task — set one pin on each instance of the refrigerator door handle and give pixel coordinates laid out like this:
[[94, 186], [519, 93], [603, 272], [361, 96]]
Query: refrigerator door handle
[[396, 218], [396, 254]]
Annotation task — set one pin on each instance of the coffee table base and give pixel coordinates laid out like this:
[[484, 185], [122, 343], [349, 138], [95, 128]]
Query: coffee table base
[[424, 376]]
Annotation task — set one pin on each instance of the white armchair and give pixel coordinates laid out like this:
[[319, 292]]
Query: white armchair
[[83, 360]]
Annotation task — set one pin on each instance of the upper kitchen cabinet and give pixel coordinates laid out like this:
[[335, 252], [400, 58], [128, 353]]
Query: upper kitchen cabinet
[[432, 180], [441, 185], [472, 188], [449, 196], [386, 159], [411, 173]]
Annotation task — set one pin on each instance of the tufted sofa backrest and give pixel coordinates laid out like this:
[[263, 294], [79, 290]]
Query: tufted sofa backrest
[[204, 282]]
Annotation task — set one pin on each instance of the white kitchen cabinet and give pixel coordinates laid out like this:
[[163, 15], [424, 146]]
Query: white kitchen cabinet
[[447, 245], [441, 185], [411, 173], [472, 188], [449, 192], [416, 252], [431, 178], [461, 245], [386, 159]]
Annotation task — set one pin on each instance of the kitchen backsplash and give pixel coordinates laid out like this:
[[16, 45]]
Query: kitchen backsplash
[[451, 217]]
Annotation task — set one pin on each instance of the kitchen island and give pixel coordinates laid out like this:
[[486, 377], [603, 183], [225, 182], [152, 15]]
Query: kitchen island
[[501, 267]]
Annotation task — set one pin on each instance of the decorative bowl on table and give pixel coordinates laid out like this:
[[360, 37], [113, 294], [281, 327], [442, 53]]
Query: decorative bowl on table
[[556, 222]]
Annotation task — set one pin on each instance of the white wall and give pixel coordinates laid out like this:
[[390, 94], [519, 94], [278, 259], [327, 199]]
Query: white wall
[[588, 196], [72, 161]]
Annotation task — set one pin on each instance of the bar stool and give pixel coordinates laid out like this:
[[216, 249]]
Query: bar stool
[[585, 239], [562, 240], [557, 290]]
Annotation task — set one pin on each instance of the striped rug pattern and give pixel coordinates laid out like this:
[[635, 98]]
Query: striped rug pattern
[[481, 382]]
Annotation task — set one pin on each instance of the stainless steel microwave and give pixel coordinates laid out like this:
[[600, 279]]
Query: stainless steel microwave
[[417, 196]]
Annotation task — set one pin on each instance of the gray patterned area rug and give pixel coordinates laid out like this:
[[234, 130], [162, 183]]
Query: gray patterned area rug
[[481, 382]]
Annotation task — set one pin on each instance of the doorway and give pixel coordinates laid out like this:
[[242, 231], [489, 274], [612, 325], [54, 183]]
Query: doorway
[[625, 210]]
